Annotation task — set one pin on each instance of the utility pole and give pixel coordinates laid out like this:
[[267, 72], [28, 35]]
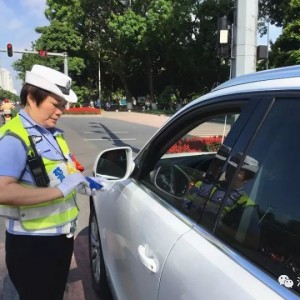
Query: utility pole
[[244, 37]]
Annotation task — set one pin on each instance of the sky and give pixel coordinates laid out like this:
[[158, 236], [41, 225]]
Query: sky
[[18, 21]]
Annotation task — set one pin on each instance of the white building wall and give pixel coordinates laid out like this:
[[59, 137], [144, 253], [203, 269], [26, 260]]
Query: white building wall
[[6, 81]]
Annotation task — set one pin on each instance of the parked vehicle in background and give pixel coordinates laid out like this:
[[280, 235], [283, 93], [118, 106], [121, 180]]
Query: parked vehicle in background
[[209, 208]]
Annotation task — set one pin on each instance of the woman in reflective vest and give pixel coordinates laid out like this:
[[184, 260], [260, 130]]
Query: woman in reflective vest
[[38, 184], [35, 217]]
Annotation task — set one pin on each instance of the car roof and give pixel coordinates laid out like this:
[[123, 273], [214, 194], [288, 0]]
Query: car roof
[[285, 78], [271, 74]]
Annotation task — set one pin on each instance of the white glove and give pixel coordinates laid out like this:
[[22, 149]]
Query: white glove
[[84, 189], [95, 184], [72, 182]]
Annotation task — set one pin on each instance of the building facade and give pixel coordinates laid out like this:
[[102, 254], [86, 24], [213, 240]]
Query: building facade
[[6, 81]]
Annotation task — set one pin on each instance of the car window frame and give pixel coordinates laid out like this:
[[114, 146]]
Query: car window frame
[[201, 111], [157, 146], [241, 258], [265, 104]]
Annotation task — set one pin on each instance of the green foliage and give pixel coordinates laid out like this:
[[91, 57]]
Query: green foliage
[[285, 51], [14, 113], [128, 29], [84, 94], [139, 50], [6, 94], [118, 94], [68, 11], [274, 10], [59, 37], [165, 95]]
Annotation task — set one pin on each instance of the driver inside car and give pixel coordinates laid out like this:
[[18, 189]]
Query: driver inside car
[[206, 195]]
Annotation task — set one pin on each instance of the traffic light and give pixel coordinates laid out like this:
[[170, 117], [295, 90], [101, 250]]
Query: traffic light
[[223, 46], [42, 53], [10, 50], [222, 30]]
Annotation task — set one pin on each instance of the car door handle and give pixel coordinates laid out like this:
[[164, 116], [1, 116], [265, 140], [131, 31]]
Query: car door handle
[[147, 260]]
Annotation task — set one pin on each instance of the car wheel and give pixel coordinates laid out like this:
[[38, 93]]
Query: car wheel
[[98, 271]]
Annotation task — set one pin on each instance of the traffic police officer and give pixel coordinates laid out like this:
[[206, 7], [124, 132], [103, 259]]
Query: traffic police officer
[[208, 194], [38, 183]]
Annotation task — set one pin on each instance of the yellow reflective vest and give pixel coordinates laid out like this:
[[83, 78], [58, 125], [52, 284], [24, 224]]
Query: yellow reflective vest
[[209, 190], [50, 214]]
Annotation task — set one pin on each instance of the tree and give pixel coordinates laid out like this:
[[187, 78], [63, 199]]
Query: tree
[[285, 51], [6, 94], [274, 10], [167, 43], [141, 49]]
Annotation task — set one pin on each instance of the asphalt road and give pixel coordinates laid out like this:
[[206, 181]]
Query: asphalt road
[[87, 136]]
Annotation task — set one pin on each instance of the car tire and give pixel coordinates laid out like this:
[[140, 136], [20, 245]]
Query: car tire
[[97, 264]]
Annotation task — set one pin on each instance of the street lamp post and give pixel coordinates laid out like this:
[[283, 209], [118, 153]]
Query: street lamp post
[[268, 43], [99, 80], [66, 63]]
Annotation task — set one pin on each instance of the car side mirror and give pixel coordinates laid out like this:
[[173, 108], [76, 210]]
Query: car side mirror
[[114, 164]]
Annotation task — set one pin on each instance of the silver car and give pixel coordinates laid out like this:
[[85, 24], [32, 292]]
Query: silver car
[[209, 208]]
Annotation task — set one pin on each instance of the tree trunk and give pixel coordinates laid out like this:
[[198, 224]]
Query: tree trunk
[[125, 85], [150, 78]]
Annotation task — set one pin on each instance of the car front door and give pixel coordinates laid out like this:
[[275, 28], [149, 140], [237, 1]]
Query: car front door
[[247, 250], [139, 233], [143, 217]]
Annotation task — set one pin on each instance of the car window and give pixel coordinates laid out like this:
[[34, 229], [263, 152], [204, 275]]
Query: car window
[[260, 216], [187, 160]]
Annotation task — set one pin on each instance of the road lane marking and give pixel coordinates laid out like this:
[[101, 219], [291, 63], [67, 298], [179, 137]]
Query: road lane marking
[[98, 132], [108, 139]]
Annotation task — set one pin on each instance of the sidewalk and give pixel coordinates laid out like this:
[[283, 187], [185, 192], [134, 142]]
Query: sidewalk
[[133, 117]]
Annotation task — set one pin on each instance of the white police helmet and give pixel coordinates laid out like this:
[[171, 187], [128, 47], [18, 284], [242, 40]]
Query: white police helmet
[[52, 81]]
